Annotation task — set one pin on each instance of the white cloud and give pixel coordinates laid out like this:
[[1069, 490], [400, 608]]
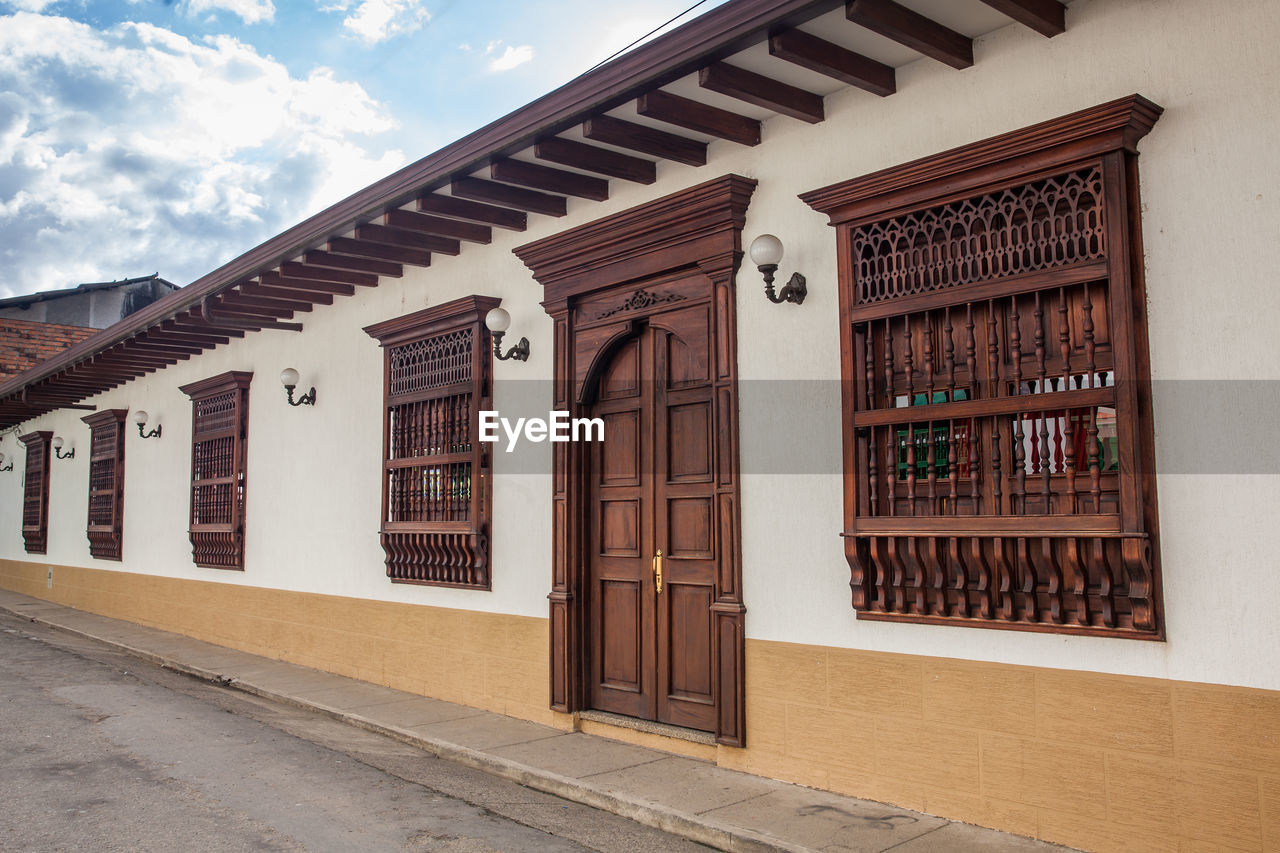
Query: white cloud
[[135, 149], [510, 58], [250, 11], [378, 20], [28, 5]]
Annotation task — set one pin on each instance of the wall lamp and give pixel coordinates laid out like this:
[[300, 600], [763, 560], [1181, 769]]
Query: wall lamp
[[498, 321], [8, 467], [57, 449], [289, 379], [140, 418], [766, 253]]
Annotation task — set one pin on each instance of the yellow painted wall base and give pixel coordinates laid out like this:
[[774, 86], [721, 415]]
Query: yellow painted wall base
[[485, 660], [1100, 762]]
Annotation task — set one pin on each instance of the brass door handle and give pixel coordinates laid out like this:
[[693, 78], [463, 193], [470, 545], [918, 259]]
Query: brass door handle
[[657, 570]]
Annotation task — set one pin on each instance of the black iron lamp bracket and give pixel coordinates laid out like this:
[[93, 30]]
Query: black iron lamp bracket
[[519, 352], [794, 291]]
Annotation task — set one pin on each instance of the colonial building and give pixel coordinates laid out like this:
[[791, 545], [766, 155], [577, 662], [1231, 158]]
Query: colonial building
[[950, 494]]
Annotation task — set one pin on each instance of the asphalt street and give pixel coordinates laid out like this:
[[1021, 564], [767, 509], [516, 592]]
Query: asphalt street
[[105, 752]]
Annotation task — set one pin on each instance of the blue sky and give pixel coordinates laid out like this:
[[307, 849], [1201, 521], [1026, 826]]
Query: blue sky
[[140, 137]]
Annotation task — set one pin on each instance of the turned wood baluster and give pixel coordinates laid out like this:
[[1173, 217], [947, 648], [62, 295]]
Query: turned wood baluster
[[971, 437], [870, 367], [993, 352], [1064, 338], [949, 359], [1041, 369], [1046, 462], [874, 477], [1095, 467], [953, 466], [931, 458], [1069, 460], [888, 361], [1015, 344], [1090, 347], [997, 474], [1018, 501], [928, 357], [911, 469], [908, 362], [970, 351]]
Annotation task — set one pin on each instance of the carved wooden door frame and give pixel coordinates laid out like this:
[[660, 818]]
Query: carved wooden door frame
[[695, 230]]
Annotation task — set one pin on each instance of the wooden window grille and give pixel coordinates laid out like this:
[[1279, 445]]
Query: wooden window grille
[[998, 435], [35, 492], [219, 428], [436, 493], [105, 528]]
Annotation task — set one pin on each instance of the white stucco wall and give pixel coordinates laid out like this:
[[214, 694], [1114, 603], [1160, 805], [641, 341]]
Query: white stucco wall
[[1211, 217]]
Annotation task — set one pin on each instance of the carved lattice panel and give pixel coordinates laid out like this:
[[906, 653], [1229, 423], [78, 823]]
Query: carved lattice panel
[[1041, 225]]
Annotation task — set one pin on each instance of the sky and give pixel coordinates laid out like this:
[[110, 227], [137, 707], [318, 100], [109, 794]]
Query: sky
[[170, 136]]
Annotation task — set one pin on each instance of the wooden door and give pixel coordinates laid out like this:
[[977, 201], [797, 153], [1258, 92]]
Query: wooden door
[[652, 498]]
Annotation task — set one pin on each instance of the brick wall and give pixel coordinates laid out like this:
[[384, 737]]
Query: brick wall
[[25, 342]]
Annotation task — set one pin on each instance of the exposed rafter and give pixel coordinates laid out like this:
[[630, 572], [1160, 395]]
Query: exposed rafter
[[551, 180], [646, 140], [592, 158], [1047, 17], [699, 117], [809, 51], [762, 91], [913, 30]]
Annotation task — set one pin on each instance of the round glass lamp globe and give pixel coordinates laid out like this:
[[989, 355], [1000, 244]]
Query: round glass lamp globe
[[1, 458], [288, 377], [57, 442], [140, 417], [497, 320], [766, 250]]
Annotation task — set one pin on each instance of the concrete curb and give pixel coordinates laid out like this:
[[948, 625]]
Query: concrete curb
[[706, 831]]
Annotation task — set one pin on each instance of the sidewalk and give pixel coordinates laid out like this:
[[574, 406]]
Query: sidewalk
[[721, 808]]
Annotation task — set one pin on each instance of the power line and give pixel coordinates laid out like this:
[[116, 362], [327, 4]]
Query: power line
[[643, 37]]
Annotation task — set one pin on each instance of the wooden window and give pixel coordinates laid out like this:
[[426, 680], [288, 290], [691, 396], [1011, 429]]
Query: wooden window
[[106, 483], [998, 436], [35, 492], [435, 486], [219, 427]]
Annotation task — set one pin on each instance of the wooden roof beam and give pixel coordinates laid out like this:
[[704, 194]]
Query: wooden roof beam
[[383, 251], [310, 273], [809, 51], [912, 29], [702, 118], [407, 239], [160, 334], [282, 309], [188, 325], [408, 220], [318, 258], [551, 180], [615, 164], [221, 317], [1047, 17], [503, 195], [762, 91], [460, 208], [646, 140], [286, 293], [305, 287]]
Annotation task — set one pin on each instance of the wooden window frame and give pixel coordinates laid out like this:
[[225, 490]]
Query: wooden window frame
[[438, 552], [220, 544], [35, 491], [1051, 555], [106, 448]]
